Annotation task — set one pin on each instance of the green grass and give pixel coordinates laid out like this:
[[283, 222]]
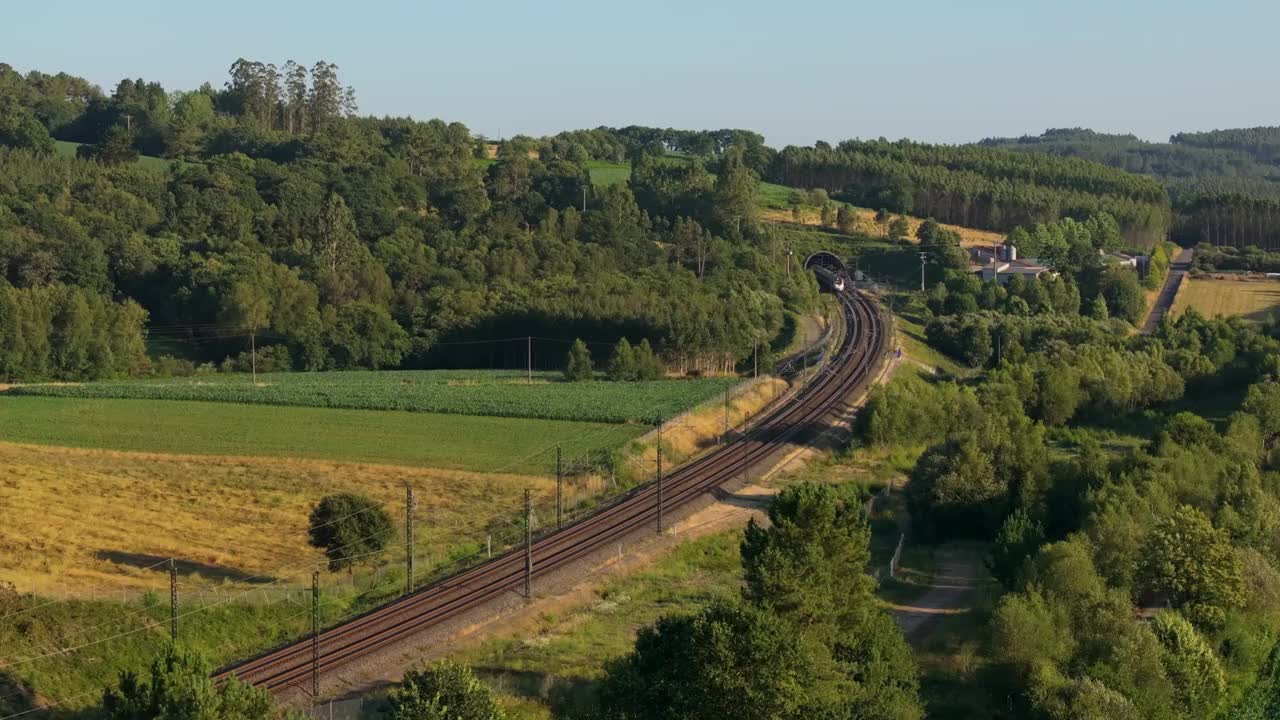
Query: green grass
[[484, 444], [462, 392], [68, 149], [777, 197], [567, 655], [110, 636], [608, 173]]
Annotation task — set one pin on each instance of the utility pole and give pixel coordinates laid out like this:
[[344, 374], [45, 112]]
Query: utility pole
[[559, 491], [408, 538], [529, 357], [173, 599], [755, 360], [315, 633], [584, 198], [659, 487], [725, 434], [528, 546], [924, 257]]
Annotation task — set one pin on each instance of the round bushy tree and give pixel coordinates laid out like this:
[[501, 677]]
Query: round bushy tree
[[349, 527], [442, 691]]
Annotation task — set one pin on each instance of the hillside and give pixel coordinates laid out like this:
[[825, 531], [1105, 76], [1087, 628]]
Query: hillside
[[1224, 185]]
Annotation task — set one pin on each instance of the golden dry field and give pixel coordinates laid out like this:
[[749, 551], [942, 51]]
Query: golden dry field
[[1253, 300], [85, 521]]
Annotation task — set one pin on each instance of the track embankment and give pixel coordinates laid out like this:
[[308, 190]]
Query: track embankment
[[512, 578]]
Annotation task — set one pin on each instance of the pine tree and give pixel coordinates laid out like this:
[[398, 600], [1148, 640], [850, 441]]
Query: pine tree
[[1098, 308], [578, 363], [622, 365], [648, 367]]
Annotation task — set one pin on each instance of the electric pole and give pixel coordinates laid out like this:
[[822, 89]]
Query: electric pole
[[924, 257], [559, 491], [755, 360], [529, 357], [315, 633], [408, 538], [659, 487], [528, 546], [173, 599], [584, 198], [725, 435]]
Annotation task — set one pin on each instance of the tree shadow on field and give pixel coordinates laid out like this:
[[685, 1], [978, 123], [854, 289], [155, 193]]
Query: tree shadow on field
[[567, 696], [184, 567], [16, 695]]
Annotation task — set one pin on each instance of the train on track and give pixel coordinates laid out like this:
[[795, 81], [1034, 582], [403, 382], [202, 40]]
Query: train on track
[[833, 279], [802, 416]]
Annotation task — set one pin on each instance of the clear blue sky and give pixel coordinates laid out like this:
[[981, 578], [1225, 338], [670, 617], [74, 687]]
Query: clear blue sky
[[940, 70]]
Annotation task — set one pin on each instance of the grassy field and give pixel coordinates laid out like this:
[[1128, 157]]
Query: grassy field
[[461, 392], [453, 442], [1252, 300], [608, 173], [68, 149], [566, 654]]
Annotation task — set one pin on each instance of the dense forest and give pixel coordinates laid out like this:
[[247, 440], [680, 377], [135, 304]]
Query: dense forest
[[976, 186], [344, 241], [1137, 580], [1224, 185]]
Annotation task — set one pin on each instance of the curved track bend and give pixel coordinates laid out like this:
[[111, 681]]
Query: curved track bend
[[800, 418]]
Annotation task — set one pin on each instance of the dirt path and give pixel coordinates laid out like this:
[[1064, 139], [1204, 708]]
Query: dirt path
[[1164, 302], [949, 590]]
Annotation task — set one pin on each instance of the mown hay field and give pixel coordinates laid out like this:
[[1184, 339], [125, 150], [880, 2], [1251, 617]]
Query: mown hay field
[[1253, 300], [467, 392], [81, 521]]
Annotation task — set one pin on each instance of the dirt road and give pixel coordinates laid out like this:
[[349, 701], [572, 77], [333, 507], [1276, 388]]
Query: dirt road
[[949, 590]]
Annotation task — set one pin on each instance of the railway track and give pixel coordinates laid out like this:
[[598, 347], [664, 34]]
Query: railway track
[[850, 368]]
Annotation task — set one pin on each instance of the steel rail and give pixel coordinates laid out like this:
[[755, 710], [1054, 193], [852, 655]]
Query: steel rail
[[849, 369]]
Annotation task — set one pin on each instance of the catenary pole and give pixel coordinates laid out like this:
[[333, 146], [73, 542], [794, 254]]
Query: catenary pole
[[409, 506], [559, 490], [315, 634], [173, 599], [528, 545]]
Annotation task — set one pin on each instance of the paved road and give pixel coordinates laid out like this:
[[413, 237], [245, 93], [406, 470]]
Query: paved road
[[1177, 271]]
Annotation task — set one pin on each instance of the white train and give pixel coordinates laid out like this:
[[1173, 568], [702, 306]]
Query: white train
[[829, 278]]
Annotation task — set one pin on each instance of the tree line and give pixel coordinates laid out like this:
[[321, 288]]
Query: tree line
[[1224, 185], [976, 186], [1211, 258]]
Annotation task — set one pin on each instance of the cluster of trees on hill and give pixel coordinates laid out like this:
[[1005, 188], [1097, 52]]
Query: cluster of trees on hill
[[977, 186], [1224, 185], [1210, 258], [362, 242], [141, 117], [1191, 521], [629, 143]]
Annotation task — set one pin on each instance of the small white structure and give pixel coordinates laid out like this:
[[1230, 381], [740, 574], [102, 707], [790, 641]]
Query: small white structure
[[1000, 263]]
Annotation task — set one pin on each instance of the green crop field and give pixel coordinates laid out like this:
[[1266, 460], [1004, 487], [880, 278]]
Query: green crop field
[[484, 444], [460, 392]]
